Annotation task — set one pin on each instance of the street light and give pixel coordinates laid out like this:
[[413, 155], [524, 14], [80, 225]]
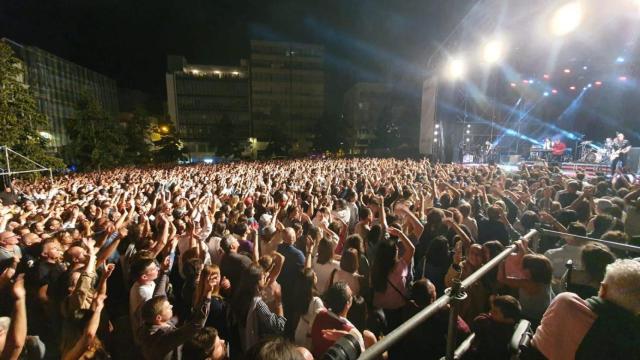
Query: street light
[[164, 129]]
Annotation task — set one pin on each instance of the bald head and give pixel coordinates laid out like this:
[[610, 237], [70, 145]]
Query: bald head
[[8, 238], [30, 239], [289, 236]]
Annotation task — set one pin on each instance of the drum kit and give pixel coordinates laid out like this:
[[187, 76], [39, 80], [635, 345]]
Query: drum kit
[[590, 153]]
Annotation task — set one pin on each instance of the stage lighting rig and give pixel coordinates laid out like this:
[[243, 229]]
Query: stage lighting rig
[[493, 51], [567, 18], [456, 68]]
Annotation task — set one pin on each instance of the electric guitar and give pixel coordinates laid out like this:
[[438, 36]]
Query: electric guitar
[[616, 153]]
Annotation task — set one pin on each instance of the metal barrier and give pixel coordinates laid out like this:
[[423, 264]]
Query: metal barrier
[[453, 296], [464, 347], [610, 244]]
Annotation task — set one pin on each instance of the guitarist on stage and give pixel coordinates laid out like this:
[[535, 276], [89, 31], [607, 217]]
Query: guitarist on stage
[[621, 147]]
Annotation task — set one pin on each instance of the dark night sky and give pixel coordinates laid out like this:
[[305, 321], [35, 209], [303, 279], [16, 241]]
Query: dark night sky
[[129, 40]]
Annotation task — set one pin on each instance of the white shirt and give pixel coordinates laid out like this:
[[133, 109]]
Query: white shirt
[[323, 273], [559, 258], [138, 295]]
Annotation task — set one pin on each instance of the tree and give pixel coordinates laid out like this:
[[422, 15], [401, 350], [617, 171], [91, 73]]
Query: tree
[[333, 133], [95, 140], [169, 149], [20, 119], [138, 132], [386, 133], [280, 142]]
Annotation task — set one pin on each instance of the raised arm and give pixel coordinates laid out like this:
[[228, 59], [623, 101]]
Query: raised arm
[[17, 334], [409, 249]]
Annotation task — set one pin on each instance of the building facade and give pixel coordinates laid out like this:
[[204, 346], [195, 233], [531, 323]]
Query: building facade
[[209, 104], [364, 104], [287, 89], [59, 84]]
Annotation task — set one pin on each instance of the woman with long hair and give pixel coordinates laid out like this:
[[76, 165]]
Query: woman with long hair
[[324, 264], [389, 276], [348, 271], [355, 242], [251, 315], [309, 305], [218, 309]]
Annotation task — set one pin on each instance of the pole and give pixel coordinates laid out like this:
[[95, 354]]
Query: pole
[[457, 296], [6, 155], [610, 244]]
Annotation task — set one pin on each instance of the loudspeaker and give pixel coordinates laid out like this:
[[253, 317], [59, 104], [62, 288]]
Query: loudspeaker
[[633, 160]]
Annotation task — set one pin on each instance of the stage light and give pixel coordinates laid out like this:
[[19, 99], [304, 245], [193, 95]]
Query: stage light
[[468, 126], [585, 68], [546, 93], [531, 81], [437, 126], [525, 81], [567, 71], [546, 76], [468, 139], [567, 18], [456, 68], [554, 91], [598, 83], [435, 132], [468, 132], [589, 86], [622, 78], [620, 60], [435, 140], [513, 84], [493, 51], [572, 87]]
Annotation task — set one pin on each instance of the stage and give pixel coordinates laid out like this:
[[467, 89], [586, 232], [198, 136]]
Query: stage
[[568, 168]]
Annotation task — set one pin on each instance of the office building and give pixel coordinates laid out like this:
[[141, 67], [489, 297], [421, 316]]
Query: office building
[[287, 89], [208, 104], [364, 104], [58, 85]]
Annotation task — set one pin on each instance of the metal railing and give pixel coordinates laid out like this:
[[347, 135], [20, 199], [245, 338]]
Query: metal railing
[[454, 296], [610, 244]]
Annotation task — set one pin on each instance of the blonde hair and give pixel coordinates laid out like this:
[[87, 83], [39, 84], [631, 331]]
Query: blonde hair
[[623, 284]]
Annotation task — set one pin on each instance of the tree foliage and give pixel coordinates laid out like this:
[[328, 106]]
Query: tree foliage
[[137, 135], [96, 140], [333, 132], [20, 119], [169, 148]]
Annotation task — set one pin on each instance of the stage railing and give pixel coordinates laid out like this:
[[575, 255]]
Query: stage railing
[[454, 295], [610, 244]]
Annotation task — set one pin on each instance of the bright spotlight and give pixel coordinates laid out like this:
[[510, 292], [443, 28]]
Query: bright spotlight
[[456, 68], [493, 51], [554, 91], [622, 78], [567, 18], [620, 60], [546, 93]]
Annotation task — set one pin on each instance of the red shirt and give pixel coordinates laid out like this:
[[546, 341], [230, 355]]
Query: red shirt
[[325, 320]]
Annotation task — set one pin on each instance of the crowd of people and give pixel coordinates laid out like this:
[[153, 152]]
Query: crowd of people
[[282, 259]]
